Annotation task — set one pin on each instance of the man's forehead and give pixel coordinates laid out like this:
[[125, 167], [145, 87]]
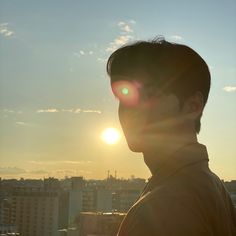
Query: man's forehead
[[143, 78]]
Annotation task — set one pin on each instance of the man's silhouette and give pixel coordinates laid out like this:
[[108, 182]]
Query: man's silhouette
[[162, 89]]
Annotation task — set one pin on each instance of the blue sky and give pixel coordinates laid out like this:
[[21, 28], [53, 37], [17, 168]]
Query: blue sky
[[54, 93]]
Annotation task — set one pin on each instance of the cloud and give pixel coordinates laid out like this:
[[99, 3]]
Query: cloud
[[82, 53], [132, 22], [85, 171], [8, 111], [124, 38], [230, 88], [121, 23], [11, 171], [4, 30], [102, 60], [39, 172], [118, 42], [176, 38], [78, 110], [125, 27], [21, 123], [70, 172], [51, 110], [52, 162], [72, 110], [92, 111], [67, 110]]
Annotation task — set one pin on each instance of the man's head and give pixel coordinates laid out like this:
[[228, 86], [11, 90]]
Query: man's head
[[158, 81]]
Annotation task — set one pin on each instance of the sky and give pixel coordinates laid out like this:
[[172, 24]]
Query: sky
[[55, 97]]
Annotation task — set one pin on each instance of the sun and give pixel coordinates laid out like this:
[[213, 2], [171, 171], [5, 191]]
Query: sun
[[110, 136]]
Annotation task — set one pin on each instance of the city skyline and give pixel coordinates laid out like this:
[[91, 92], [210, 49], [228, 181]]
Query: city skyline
[[55, 99]]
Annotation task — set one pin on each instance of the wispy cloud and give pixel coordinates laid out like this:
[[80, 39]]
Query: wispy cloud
[[78, 110], [125, 27], [230, 88], [51, 110], [5, 31], [11, 171], [70, 172], [92, 111], [132, 22], [9, 111], [82, 53], [177, 38], [54, 162], [67, 110], [126, 32], [118, 42], [6, 113], [21, 123], [72, 110], [39, 172], [102, 60], [16, 171]]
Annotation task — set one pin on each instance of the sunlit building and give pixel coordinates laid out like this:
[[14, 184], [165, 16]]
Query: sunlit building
[[35, 211], [89, 199], [75, 198], [103, 200], [231, 187], [123, 199]]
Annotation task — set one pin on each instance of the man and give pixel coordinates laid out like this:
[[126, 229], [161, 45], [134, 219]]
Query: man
[[162, 89]]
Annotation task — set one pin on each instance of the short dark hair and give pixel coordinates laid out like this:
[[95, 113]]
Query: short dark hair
[[175, 68]]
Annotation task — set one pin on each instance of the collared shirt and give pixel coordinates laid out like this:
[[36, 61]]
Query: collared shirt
[[184, 198]]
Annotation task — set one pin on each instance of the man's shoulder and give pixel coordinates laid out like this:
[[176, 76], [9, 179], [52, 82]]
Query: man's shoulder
[[167, 208], [160, 212], [187, 203]]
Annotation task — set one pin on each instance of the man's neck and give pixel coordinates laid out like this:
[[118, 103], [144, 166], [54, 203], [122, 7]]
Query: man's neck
[[157, 155]]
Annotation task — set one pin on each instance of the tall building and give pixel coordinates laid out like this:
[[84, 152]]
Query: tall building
[[51, 207], [63, 218], [35, 210], [106, 224], [103, 200], [231, 187], [123, 199], [6, 225], [5, 212], [75, 199], [89, 199]]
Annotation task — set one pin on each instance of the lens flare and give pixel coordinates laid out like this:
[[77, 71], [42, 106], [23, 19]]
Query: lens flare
[[126, 92]]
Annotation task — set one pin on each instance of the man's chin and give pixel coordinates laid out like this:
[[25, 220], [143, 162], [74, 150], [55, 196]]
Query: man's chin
[[135, 146]]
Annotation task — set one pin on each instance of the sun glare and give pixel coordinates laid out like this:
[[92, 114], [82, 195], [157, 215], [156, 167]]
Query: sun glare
[[110, 136]]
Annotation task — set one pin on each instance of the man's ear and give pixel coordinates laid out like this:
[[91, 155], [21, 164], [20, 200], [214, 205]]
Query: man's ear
[[193, 106]]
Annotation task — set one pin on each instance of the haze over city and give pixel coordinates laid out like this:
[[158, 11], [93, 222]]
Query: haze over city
[[55, 96]]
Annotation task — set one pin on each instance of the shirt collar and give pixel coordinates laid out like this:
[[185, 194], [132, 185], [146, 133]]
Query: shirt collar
[[187, 155]]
